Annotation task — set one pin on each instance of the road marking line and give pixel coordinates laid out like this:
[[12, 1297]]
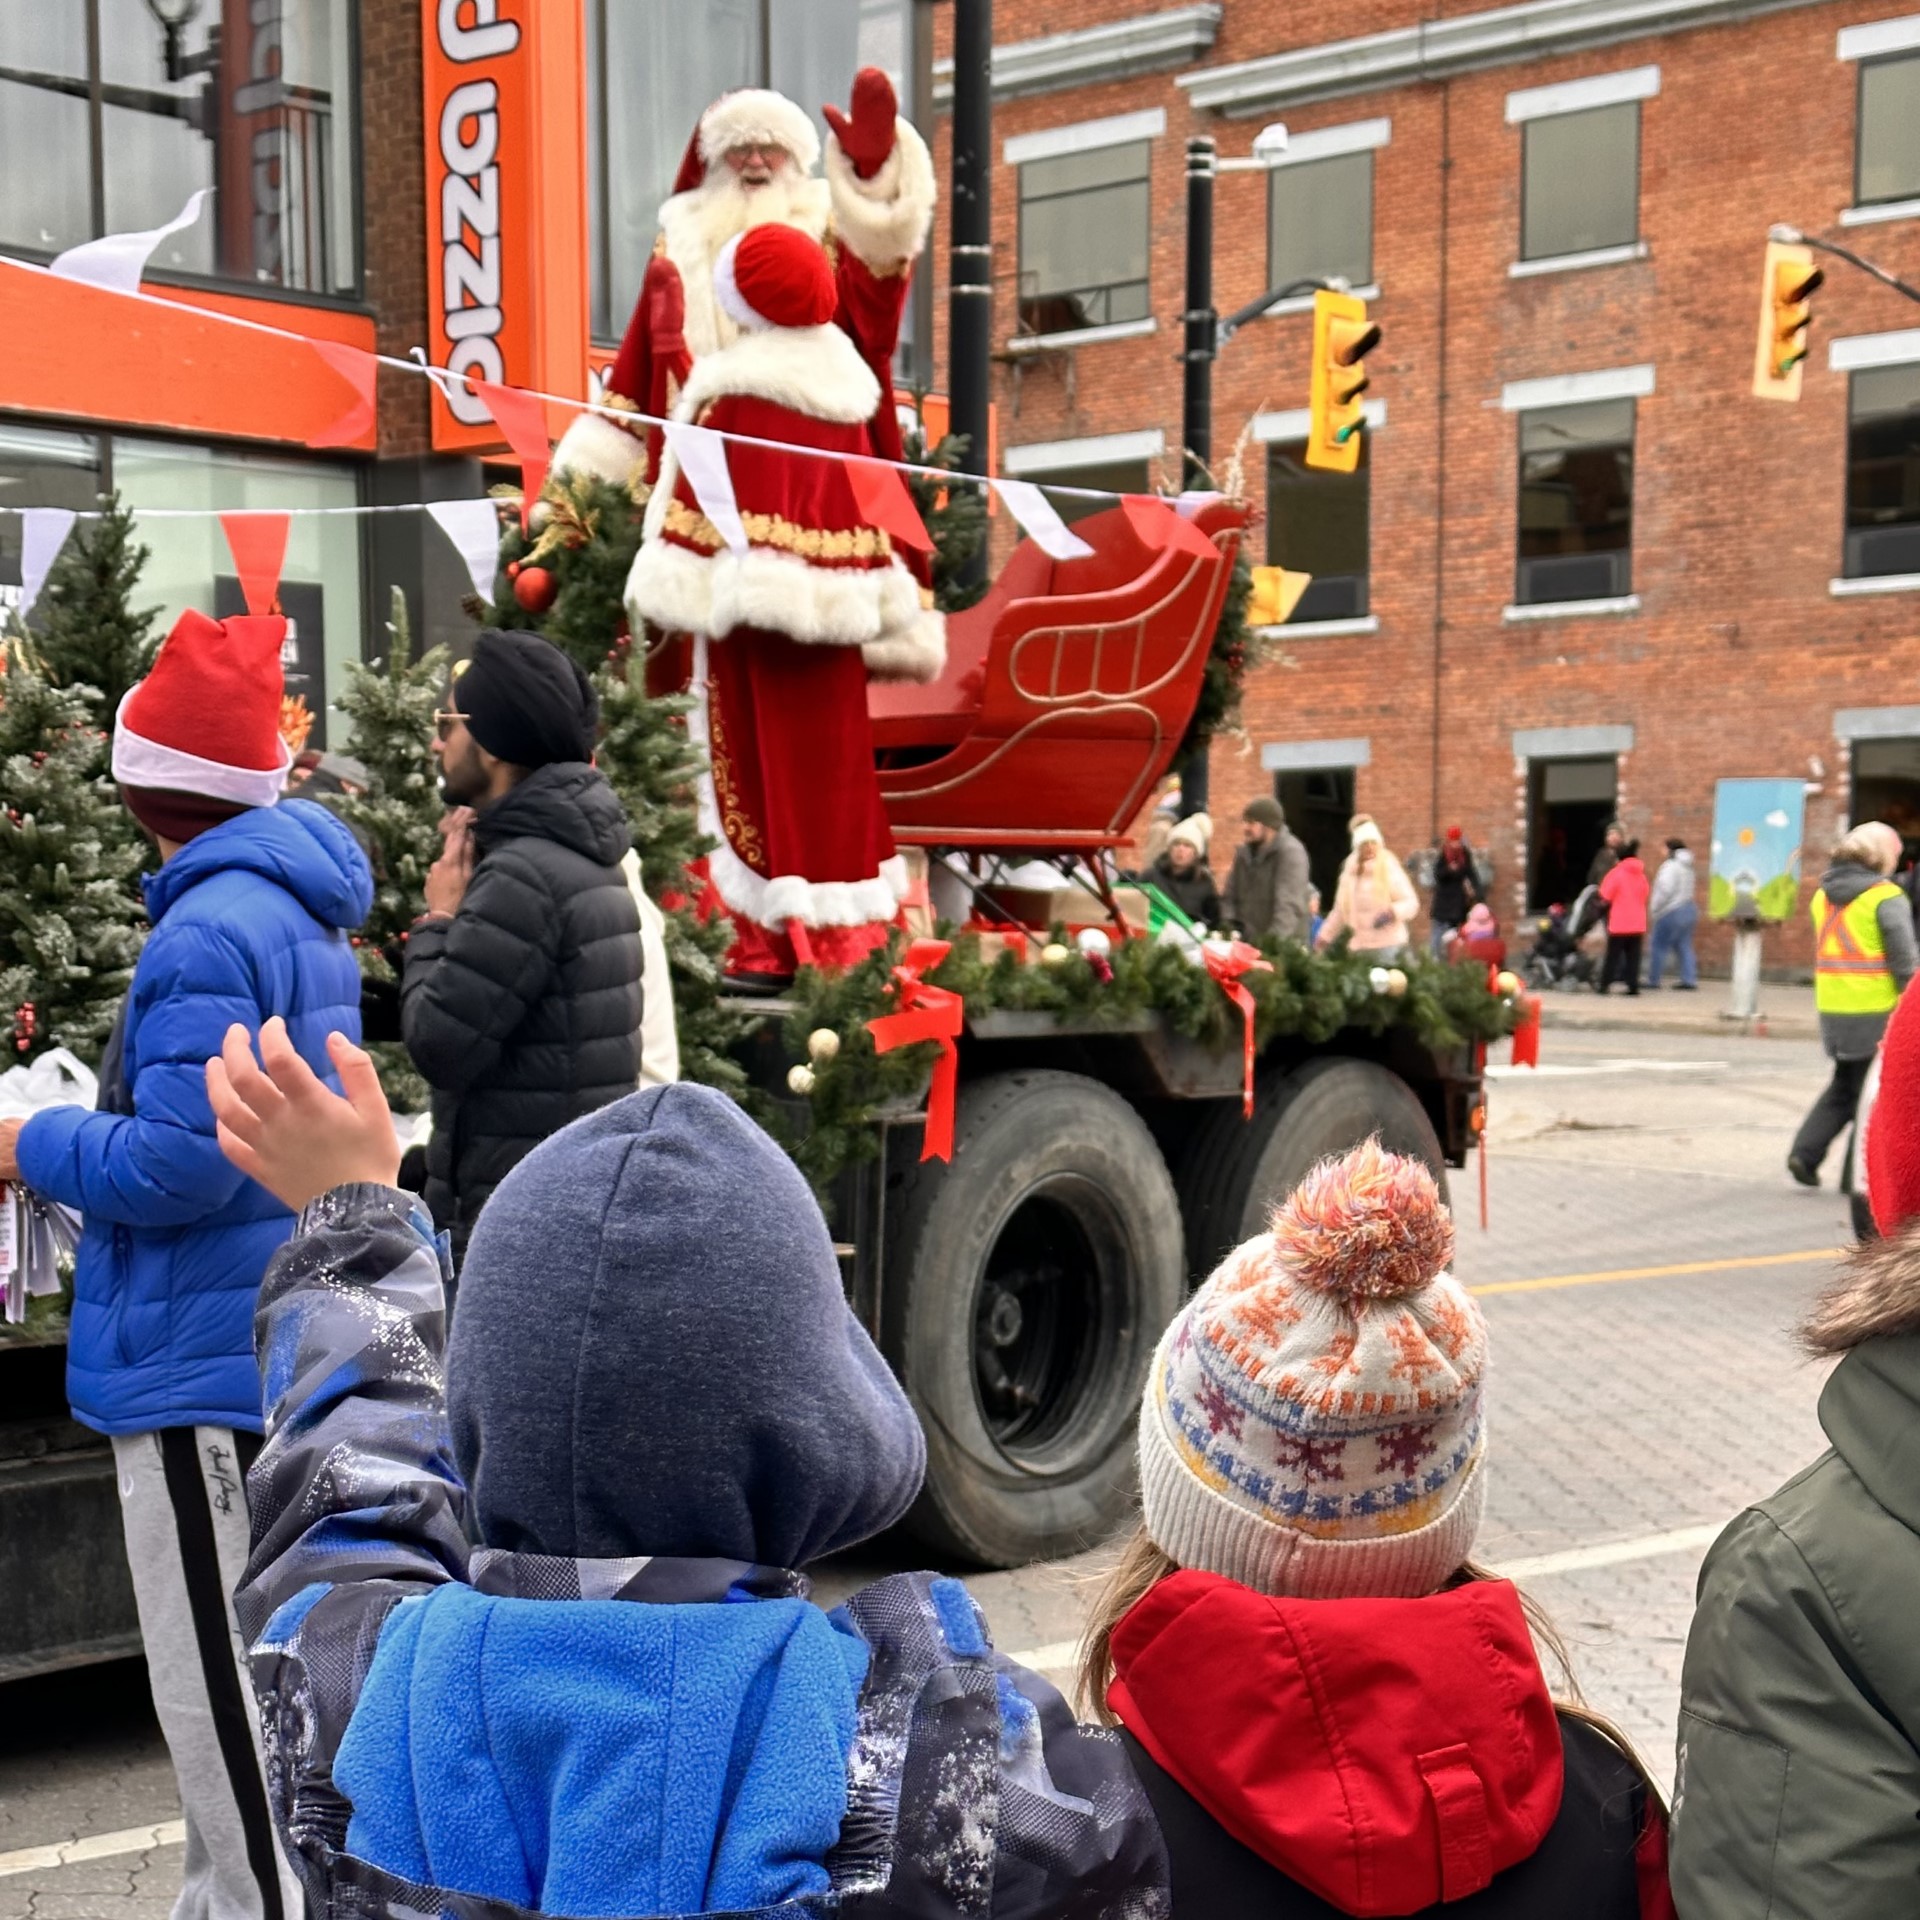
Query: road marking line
[[1546, 1281], [1059, 1656], [95, 1846]]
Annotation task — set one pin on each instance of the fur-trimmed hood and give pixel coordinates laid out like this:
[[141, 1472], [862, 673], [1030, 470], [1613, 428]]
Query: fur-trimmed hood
[[1875, 1295]]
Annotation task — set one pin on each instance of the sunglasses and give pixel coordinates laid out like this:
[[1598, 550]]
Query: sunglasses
[[445, 720]]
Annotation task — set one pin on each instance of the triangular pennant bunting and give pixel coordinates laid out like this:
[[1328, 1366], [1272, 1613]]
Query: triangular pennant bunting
[[702, 455], [1155, 524], [884, 502], [1040, 519], [43, 533], [360, 370], [117, 260], [258, 543], [474, 528], [523, 419]]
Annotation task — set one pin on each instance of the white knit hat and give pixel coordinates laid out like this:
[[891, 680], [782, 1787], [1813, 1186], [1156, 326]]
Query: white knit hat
[[1196, 830], [1314, 1422]]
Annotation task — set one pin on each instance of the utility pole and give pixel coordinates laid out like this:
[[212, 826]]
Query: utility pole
[[970, 226], [1196, 405]]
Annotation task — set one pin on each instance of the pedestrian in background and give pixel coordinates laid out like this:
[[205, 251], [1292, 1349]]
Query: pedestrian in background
[[1332, 1709], [526, 1616], [1375, 902], [1182, 873], [1269, 885], [521, 1003], [1591, 909], [252, 906], [1456, 891], [1624, 892], [1799, 1746], [1166, 816], [1864, 954], [1672, 914]]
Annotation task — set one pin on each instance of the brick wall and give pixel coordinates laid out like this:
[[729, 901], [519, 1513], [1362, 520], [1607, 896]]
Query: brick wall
[[1739, 655], [394, 174]]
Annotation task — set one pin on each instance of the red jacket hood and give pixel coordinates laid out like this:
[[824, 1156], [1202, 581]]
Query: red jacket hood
[[1387, 1754]]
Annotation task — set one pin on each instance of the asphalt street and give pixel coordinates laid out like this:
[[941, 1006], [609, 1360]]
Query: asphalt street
[[1644, 1263]]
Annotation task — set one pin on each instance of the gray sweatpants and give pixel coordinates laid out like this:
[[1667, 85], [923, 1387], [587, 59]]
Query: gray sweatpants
[[183, 1504]]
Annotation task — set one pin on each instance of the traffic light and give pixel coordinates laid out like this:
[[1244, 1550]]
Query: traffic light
[[1342, 339], [1786, 313], [1276, 593]]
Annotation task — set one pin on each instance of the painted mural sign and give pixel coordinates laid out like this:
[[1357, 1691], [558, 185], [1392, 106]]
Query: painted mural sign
[[1757, 828]]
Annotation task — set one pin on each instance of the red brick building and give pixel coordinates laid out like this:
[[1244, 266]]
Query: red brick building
[[1583, 571]]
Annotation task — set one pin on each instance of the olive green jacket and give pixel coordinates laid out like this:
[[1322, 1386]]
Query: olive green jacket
[[1798, 1790]]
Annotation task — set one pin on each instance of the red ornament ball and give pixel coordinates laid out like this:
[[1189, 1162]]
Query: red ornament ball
[[534, 588]]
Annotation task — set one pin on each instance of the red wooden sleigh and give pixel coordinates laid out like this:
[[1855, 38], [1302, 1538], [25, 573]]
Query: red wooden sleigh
[[1066, 693]]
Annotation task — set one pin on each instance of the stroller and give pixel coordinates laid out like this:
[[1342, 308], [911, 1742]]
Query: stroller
[[1556, 958]]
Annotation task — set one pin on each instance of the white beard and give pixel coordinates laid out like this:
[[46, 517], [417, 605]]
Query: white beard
[[697, 224]]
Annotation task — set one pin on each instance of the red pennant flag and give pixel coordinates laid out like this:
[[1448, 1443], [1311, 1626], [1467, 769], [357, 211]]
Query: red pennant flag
[[523, 419], [258, 543], [884, 502], [1155, 524], [359, 369], [926, 1013]]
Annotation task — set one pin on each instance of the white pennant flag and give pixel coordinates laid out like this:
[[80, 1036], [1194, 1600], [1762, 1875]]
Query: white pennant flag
[[1037, 514], [117, 260], [474, 528], [43, 533], [702, 455]]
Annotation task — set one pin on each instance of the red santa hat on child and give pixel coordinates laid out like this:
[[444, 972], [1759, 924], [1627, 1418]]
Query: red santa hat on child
[[775, 276], [206, 719], [747, 117], [1893, 1124]]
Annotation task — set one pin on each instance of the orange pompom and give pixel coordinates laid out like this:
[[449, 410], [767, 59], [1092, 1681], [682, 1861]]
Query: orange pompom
[[1370, 1225]]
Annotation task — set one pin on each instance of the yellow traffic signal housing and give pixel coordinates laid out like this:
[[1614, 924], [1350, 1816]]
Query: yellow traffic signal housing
[[1786, 314], [1276, 593], [1342, 339]]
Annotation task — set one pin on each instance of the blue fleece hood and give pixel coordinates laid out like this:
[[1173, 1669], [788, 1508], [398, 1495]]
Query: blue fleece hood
[[297, 845], [605, 1757]]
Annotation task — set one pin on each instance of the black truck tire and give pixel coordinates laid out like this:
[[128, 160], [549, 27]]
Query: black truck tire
[[1027, 1283], [1234, 1170]]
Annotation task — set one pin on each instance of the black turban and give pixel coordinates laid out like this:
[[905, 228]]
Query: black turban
[[525, 701]]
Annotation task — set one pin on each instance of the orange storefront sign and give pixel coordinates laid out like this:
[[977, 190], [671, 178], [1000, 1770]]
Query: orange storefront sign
[[505, 133]]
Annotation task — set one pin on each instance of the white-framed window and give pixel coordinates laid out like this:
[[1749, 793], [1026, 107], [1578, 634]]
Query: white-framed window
[[1320, 205], [1580, 166], [1085, 221], [1880, 550], [1886, 149], [1093, 467]]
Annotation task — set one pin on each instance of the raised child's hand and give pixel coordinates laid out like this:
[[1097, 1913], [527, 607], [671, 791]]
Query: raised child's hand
[[285, 1128]]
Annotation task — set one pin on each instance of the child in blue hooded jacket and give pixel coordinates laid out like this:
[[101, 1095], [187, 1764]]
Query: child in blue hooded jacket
[[527, 1629]]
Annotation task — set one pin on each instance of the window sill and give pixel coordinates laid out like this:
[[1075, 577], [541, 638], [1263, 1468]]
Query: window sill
[[1082, 336], [1875, 583], [1874, 215], [1571, 609], [1572, 262], [1303, 302], [1321, 629]]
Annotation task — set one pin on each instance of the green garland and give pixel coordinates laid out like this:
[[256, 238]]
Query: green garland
[[1308, 995]]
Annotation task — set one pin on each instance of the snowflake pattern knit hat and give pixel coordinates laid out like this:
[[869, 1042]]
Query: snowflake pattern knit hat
[[1314, 1425]]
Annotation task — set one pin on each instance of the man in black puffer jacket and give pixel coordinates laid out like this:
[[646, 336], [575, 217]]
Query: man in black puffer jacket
[[521, 998]]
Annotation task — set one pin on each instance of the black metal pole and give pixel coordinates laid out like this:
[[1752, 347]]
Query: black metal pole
[[1196, 411], [970, 224]]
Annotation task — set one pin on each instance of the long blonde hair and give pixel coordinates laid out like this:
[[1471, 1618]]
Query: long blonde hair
[[1142, 1565]]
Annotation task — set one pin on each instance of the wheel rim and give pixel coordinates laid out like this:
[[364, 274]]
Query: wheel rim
[[1049, 1320]]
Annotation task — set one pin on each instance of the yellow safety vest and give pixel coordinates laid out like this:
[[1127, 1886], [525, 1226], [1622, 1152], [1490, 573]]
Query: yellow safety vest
[[1849, 958]]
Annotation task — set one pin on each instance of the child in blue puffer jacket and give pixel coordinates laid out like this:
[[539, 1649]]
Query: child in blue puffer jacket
[[527, 1629]]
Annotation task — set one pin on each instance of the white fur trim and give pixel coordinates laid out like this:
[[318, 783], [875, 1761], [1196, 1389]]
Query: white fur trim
[[814, 370], [696, 225], [593, 444], [771, 903], [139, 762], [884, 220], [673, 588], [917, 653], [757, 116]]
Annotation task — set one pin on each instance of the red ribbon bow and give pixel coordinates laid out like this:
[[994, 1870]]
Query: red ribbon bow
[[926, 1013], [1227, 961]]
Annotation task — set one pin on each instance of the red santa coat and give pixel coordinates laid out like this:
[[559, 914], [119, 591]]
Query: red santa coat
[[785, 635]]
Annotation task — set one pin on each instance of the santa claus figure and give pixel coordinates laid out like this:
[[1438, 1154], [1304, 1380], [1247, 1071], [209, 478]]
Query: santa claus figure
[[793, 592], [751, 163]]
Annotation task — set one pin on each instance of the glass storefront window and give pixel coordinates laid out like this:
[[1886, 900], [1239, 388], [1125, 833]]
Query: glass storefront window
[[256, 101], [321, 584], [649, 77], [41, 467]]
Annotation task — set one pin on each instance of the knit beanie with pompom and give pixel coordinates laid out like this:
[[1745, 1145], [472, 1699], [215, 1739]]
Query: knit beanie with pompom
[[1313, 1424]]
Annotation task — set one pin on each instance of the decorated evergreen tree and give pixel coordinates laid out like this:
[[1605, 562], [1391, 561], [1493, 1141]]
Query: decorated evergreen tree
[[89, 633], [71, 921], [389, 707], [956, 517]]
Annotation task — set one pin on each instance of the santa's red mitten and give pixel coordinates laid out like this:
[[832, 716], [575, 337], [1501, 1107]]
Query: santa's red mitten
[[664, 295], [866, 136]]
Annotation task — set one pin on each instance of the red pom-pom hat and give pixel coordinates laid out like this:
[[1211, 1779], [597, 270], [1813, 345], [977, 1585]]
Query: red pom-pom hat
[[206, 719], [1893, 1125], [775, 276]]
